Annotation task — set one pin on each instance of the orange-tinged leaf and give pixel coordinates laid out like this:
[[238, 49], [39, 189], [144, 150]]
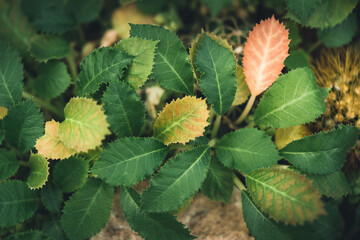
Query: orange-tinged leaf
[[50, 145], [264, 54], [182, 120]]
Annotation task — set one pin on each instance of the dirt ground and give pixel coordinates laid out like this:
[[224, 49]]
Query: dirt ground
[[206, 219]]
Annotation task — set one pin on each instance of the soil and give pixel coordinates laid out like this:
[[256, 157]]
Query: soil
[[206, 219]]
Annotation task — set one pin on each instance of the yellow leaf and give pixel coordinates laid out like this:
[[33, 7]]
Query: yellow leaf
[[50, 145], [182, 120], [242, 89], [3, 112], [283, 136]]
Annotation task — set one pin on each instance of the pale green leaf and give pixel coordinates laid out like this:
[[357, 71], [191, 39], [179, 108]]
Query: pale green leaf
[[8, 164], [39, 171], [88, 210], [172, 68], [322, 153], [30, 235], [293, 99], [247, 149], [17, 202], [46, 47], [127, 161], [124, 109], [216, 5], [151, 226], [51, 197], [177, 181]]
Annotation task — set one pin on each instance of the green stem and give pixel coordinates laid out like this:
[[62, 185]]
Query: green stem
[[73, 68], [23, 163], [239, 184], [246, 111], [314, 46], [44, 104], [216, 126]]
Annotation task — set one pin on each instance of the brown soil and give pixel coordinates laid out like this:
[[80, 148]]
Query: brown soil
[[206, 219]]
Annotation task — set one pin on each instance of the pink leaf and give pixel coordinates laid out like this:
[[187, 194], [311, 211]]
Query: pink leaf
[[264, 54]]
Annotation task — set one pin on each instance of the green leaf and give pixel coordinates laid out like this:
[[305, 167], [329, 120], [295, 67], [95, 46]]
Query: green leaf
[[101, 66], [322, 153], [219, 183], [333, 185], [124, 110], [285, 195], [127, 161], [23, 124], [297, 59], [17, 203], [11, 75], [14, 26], [215, 5], [177, 181], [294, 34], [53, 79], [39, 171], [247, 149], [53, 228], [84, 10], [172, 68], [88, 210], [302, 8], [153, 226], [51, 197], [293, 99], [340, 34], [30, 235], [8, 164], [217, 66], [71, 173], [46, 47], [143, 51]]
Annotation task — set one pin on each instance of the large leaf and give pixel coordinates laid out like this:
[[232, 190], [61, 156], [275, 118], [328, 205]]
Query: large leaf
[[215, 5], [88, 210], [143, 51], [8, 164], [264, 54], [124, 109], [285, 195], [70, 174], [85, 125], [247, 149], [101, 66], [219, 182], [181, 120], [216, 63], [11, 75], [177, 181], [172, 68], [29, 235], [51, 197], [126, 161], [52, 80], [84, 10], [39, 171], [153, 226], [293, 99], [302, 8], [23, 124], [322, 153], [46, 47], [17, 202]]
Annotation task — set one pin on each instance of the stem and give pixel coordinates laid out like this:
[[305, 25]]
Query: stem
[[239, 184], [246, 111], [73, 68], [23, 163], [215, 129], [314, 46], [44, 104]]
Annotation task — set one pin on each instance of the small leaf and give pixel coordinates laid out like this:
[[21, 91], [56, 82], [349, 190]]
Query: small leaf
[[84, 126], [50, 145], [53, 228], [11, 75], [51, 197], [242, 89], [23, 124], [85, 10], [155, 226], [303, 8], [143, 51], [29, 235], [285, 195], [215, 6], [297, 59], [127, 161], [264, 54], [39, 171], [181, 120], [88, 210], [293, 99], [247, 149], [46, 47], [172, 68], [8, 164], [216, 63], [17, 203], [219, 183], [284, 136], [101, 66], [70, 174], [124, 109], [177, 181], [3, 113], [321, 153]]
